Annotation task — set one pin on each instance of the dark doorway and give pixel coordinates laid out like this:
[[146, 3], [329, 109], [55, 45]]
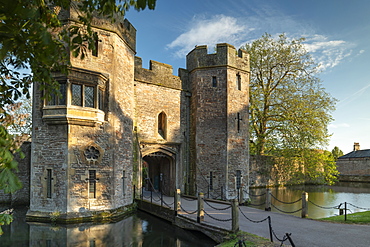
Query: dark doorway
[[159, 173]]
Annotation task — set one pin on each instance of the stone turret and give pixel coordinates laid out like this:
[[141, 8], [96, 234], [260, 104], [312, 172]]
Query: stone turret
[[219, 84]]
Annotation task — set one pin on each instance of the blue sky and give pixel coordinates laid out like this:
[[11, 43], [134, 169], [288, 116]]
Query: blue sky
[[337, 34]]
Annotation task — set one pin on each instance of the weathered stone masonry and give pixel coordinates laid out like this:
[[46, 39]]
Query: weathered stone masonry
[[119, 125]]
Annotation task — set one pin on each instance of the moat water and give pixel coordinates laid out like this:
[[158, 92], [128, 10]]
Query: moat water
[[322, 199], [141, 229]]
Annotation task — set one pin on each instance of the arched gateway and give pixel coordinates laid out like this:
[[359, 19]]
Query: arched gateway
[[159, 170]]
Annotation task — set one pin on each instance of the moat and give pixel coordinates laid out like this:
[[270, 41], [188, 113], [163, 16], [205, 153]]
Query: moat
[[140, 229]]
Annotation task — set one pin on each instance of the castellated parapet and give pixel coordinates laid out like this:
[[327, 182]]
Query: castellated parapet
[[158, 73], [226, 55], [122, 27]]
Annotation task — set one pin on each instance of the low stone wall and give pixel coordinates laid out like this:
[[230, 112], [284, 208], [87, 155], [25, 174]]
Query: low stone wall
[[354, 178], [213, 232]]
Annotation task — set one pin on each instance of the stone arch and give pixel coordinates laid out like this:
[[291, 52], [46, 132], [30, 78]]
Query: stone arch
[[160, 175]]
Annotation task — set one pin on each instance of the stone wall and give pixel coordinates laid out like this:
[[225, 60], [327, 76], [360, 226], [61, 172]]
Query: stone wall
[[219, 119], [354, 166], [22, 196]]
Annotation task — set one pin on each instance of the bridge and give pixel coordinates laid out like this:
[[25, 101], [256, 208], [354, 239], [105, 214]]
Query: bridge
[[218, 218]]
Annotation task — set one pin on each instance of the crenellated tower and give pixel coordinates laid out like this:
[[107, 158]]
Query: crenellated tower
[[219, 135]]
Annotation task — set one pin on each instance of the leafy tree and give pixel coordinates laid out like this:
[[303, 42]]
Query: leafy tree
[[289, 107], [33, 43], [336, 153]]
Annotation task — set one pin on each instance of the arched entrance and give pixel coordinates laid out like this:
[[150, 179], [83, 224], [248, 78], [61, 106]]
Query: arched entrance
[[159, 172]]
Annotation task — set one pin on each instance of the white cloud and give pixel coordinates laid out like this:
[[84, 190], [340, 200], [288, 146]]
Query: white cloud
[[340, 125], [327, 53], [202, 31]]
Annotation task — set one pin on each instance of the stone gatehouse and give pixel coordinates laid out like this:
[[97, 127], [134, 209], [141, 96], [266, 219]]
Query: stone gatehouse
[[117, 126]]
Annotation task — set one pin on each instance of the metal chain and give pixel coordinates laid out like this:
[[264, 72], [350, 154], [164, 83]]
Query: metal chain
[[281, 240], [335, 207], [358, 206], [253, 221], [254, 195], [190, 199], [285, 202], [215, 218], [217, 208], [188, 211], [286, 212]]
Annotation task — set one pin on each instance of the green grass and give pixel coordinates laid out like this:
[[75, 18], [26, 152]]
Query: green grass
[[249, 239], [356, 218]]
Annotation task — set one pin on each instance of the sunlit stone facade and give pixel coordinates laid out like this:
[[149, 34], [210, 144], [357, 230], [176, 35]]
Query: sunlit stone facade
[[117, 126]]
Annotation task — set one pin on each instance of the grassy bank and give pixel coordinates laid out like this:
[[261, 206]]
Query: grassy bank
[[356, 218], [250, 240]]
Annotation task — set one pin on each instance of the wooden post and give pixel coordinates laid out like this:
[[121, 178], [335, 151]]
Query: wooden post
[[241, 199], [177, 204], [304, 204], [200, 215], [235, 216], [268, 200]]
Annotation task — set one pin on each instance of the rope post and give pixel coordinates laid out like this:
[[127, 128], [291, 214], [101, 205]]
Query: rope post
[[200, 215], [241, 199], [142, 192], [304, 204], [270, 229], [268, 200], [177, 205], [235, 216]]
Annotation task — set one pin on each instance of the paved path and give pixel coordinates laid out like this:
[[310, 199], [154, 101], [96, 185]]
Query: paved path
[[305, 232]]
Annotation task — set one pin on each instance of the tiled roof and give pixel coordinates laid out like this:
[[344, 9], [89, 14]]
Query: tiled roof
[[357, 154]]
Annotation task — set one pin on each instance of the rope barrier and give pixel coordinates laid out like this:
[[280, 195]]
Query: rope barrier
[[188, 211], [215, 218], [367, 209], [286, 212], [217, 208], [300, 199], [253, 221], [188, 199], [264, 193], [335, 207]]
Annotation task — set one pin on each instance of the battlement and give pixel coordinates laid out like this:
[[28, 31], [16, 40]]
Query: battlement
[[158, 73], [226, 55], [122, 27]]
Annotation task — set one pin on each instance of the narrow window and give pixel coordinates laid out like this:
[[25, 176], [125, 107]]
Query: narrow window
[[48, 183], [59, 99], [92, 184], [95, 51], [123, 182], [101, 99], [238, 120], [238, 179], [238, 82], [89, 96], [77, 94], [162, 124], [214, 81], [211, 180]]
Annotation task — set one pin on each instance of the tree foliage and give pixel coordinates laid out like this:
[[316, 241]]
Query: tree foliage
[[289, 107], [33, 43], [336, 153]]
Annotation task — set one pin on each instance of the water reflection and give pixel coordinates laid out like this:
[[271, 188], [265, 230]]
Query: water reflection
[[324, 196], [140, 229]]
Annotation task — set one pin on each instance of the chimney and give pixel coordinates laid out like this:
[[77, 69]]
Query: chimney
[[356, 146]]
